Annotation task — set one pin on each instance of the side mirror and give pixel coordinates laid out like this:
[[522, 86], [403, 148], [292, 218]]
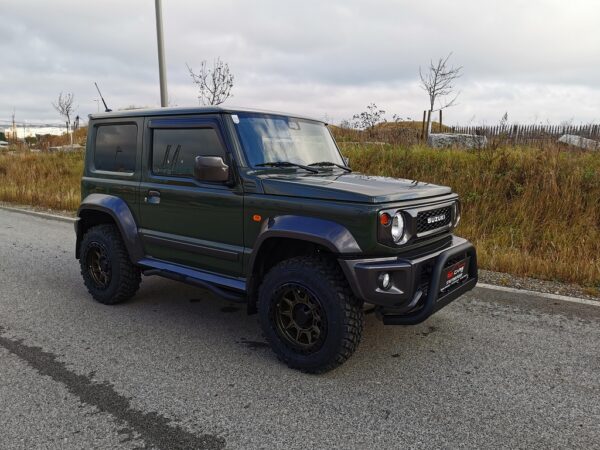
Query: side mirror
[[210, 168]]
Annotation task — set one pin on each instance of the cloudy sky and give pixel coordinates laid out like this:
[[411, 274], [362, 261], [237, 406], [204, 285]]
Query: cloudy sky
[[538, 60]]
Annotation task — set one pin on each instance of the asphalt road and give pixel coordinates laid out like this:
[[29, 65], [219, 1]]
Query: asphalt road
[[178, 368]]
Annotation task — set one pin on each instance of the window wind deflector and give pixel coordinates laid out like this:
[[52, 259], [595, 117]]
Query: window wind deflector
[[287, 164], [329, 163], [180, 122]]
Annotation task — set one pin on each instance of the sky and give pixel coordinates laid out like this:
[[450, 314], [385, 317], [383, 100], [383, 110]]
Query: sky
[[537, 60]]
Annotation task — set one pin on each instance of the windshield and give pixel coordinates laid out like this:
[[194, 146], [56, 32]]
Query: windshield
[[269, 139]]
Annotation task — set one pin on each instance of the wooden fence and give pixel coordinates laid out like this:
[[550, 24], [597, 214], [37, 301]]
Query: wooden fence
[[527, 133]]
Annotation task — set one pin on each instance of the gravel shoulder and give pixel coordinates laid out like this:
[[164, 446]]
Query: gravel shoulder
[[533, 284], [40, 209]]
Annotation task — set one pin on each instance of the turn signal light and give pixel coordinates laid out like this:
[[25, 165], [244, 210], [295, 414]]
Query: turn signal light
[[256, 218], [385, 219]]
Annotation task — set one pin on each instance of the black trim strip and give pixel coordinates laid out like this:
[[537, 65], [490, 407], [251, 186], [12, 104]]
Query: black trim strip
[[193, 247], [187, 273]]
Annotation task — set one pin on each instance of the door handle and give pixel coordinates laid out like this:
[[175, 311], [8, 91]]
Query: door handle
[[152, 198]]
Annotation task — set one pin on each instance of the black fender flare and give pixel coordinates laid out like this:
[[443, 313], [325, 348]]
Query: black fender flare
[[331, 235], [116, 208]]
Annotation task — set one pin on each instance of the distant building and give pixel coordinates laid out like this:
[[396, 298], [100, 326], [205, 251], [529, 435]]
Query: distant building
[[23, 132]]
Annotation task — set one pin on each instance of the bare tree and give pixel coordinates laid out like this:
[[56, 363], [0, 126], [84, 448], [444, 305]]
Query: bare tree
[[367, 120], [346, 124], [214, 84], [65, 107], [438, 81]]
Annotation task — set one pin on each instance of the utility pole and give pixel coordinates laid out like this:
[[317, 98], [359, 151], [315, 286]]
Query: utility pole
[[14, 127], [162, 70]]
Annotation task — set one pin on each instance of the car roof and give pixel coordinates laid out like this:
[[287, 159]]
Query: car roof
[[171, 111]]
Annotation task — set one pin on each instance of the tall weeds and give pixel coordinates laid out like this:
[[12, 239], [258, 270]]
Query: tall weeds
[[50, 180], [530, 211]]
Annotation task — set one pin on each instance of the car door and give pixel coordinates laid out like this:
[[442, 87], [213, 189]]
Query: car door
[[183, 220]]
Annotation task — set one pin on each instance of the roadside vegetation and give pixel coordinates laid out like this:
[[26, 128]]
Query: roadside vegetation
[[49, 180], [531, 211]]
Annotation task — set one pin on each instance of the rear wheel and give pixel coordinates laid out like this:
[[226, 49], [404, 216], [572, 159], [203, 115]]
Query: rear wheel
[[107, 271], [309, 314]]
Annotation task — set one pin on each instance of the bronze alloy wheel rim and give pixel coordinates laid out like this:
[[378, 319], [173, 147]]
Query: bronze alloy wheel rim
[[299, 318], [98, 265]]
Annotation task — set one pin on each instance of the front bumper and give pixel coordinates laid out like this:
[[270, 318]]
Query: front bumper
[[416, 291]]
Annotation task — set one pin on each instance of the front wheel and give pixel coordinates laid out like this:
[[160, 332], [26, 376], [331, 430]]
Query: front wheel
[[309, 314]]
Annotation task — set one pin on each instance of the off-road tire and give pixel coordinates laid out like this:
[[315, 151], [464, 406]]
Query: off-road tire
[[125, 278], [343, 311]]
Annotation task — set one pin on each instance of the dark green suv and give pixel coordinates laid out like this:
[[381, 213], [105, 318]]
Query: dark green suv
[[262, 208]]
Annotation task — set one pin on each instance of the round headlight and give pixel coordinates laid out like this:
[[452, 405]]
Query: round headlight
[[397, 227]]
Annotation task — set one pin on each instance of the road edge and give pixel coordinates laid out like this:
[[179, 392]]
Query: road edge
[[493, 287], [43, 215], [563, 298]]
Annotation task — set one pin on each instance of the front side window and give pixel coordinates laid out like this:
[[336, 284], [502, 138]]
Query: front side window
[[174, 151], [269, 138], [116, 148]]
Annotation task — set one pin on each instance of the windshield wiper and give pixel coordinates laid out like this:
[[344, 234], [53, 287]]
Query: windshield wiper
[[287, 164], [328, 163]]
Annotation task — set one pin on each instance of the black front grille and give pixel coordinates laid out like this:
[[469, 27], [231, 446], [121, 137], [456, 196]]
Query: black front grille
[[433, 219], [426, 272]]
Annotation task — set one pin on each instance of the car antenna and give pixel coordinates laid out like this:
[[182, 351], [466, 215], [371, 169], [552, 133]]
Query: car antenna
[[106, 108]]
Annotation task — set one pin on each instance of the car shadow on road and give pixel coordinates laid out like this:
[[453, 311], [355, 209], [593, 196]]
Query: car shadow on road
[[201, 316]]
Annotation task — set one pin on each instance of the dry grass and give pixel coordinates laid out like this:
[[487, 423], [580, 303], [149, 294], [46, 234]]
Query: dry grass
[[396, 133], [532, 212], [41, 179]]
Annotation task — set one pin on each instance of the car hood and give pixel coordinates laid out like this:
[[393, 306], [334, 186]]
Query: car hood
[[352, 187]]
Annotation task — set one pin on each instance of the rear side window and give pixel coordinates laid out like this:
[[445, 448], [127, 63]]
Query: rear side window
[[174, 151], [116, 148]]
